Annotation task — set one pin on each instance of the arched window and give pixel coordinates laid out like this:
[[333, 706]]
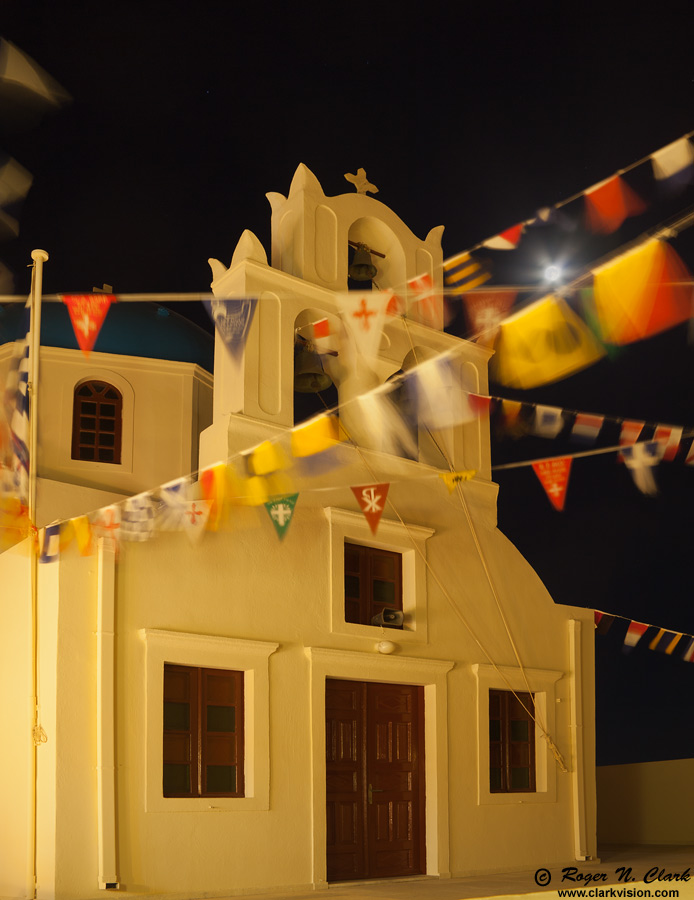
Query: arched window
[[97, 422]]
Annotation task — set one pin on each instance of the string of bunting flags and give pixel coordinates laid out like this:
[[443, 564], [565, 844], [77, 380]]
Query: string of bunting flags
[[640, 445], [606, 205], [204, 501], [673, 643]]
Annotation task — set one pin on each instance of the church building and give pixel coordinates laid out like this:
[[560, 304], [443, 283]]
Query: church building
[[303, 694]]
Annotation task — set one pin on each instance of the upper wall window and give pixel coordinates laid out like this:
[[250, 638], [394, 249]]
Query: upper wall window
[[373, 583], [97, 422]]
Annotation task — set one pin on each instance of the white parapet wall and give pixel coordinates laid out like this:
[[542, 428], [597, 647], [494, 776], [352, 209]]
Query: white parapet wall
[[646, 803]]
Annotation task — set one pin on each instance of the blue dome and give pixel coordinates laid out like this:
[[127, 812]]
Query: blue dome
[[130, 329]]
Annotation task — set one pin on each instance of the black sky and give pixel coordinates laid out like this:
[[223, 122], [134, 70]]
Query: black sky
[[467, 115]]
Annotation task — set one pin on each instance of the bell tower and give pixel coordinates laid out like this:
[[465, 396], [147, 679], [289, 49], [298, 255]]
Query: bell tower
[[311, 239]]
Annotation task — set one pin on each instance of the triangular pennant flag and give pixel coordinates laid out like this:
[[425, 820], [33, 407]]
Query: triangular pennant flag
[[630, 431], [214, 485], [676, 162], [137, 518], [629, 434], [315, 436], [511, 410], [83, 534], [232, 320], [479, 404], [382, 423], [507, 240], [551, 215], [105, 523], [665, 641], [281, 512], [173, 500], [194, 519], [438, 395], [670, 435], [603, 622], [425, 303], [586, 428], [635, 632], [463, 273], [16, 402], [323, 337], [640, 460], [554, 477], [50, 543], [688, 655], [549, 421], [396, 305], [451, 479], [486, 310], [87, 314], [609, 203], [372, 501], [363, 314], [265, 458]]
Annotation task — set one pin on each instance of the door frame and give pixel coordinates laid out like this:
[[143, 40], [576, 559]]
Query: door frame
[[355, 666]]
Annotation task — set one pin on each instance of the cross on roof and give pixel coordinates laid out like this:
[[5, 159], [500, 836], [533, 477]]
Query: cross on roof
[[361, 182]]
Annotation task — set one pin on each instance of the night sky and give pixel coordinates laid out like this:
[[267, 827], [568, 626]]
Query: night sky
[[470, 116]]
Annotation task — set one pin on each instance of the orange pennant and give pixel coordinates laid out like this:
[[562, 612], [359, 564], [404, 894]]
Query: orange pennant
[[554, 477], [609, 203], [372, 500], [87, 314]]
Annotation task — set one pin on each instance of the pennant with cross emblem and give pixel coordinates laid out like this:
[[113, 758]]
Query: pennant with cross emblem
[[194, 518], [281, 512], [87, 314], [363, 314], [105, 523], [554, 477], [372, 501]]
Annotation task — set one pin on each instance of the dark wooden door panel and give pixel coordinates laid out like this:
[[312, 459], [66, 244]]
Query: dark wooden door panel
[[374, 780], [344, 779]]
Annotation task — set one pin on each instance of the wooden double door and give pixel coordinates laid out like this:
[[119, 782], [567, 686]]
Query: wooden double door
[[374, 779]]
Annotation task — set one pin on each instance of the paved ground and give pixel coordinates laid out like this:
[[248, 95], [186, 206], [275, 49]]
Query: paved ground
[[641, 860]]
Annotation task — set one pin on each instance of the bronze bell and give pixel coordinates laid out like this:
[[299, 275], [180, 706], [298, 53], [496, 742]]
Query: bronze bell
[[361, 268], [309, 375]]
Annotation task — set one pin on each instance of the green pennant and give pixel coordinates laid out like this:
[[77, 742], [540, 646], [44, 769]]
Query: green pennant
[[281, 511]]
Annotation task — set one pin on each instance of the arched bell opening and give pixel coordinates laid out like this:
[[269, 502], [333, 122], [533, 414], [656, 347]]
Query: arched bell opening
[[314, 390], [375, 256]]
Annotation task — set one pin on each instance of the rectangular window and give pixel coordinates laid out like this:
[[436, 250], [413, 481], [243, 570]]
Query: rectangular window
[[511, 742], [373, 584], [203, 732]]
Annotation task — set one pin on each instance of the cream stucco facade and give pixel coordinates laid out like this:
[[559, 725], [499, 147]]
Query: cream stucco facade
[[477, 618]]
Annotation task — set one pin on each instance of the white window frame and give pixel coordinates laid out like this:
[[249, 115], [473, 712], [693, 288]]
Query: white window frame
[[541, 683], [407, 540], [209, 651]]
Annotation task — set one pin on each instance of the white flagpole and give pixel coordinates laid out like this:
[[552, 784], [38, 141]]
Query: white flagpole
[[39, 257], [38, 734]]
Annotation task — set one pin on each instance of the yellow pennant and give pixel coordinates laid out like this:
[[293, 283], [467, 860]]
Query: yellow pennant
[[83, 534], [542, 343], [315, 436], [266, 458], [451, 479]]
